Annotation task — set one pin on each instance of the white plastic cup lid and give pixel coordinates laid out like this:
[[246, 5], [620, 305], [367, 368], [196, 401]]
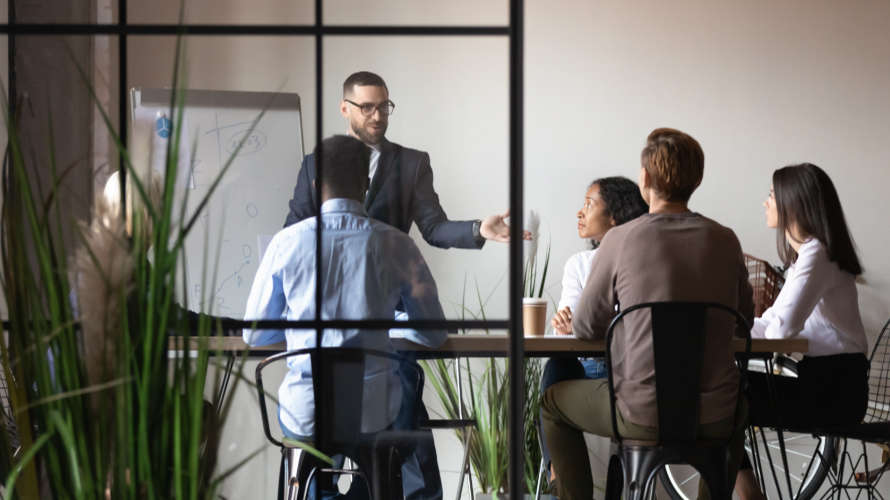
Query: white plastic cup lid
[[533, 301]]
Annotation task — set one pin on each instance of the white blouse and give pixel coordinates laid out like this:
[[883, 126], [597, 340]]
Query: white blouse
[[574, 276], [819, 302]]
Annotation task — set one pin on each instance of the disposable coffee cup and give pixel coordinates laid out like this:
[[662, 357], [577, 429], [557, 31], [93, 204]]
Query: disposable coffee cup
[[534, 316]]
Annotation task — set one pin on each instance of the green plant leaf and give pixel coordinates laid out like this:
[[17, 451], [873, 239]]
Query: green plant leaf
[[29, 455]]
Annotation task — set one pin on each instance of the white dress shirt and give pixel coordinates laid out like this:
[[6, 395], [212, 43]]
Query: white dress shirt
[[574, 276], [375, 160], [819, 302], [368, 267]]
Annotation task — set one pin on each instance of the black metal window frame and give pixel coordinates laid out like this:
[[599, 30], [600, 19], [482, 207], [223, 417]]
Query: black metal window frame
[[514, 31]]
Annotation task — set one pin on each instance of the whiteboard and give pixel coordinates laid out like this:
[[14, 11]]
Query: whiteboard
[[250, 204]]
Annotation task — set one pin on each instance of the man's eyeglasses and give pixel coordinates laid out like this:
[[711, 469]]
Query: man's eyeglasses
[[386, 107]]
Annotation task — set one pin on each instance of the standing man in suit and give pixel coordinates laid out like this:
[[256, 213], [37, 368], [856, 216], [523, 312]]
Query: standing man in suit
[[401, 190], [400, 193]]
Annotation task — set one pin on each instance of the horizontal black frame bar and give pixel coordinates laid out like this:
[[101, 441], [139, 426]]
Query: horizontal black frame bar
[[431, 353], [369, 324], [247, 29]]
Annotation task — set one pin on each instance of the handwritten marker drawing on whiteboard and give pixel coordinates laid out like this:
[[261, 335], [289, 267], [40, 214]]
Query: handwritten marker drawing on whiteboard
[[247, 204]]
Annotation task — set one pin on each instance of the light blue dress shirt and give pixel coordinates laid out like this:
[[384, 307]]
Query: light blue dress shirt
[[368, 266]]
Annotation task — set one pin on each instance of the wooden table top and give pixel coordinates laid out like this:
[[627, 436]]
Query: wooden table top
[[495, 345]]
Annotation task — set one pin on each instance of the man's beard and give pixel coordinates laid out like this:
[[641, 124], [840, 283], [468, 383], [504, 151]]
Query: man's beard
[[365, 136]]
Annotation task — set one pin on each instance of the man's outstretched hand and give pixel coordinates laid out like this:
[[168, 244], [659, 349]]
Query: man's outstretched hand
[[494, 227]]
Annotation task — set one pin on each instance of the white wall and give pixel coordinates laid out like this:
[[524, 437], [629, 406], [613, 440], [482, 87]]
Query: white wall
[[452, 100], [761, 84]]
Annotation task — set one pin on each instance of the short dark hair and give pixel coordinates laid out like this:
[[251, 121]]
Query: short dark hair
[[806, 197], [675, 163], [362, 78], [344, 165], [622, 198]]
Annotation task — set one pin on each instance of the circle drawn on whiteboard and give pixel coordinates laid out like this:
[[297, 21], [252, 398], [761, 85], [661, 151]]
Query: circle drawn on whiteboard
[[163, 127], [252, 210]]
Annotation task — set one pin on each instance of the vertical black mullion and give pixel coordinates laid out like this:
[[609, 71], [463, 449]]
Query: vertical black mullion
[[318, 163], [517, 354], [318, 381], [122, 99], [10, 63]]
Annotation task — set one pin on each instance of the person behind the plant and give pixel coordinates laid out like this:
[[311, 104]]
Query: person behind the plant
[[369, 267], [110, 240], [105, 267], [608, 202], [669, 254]]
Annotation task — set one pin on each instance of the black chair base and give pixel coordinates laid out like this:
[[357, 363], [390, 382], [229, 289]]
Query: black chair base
[[637, 466], [846, 483], [380, 469]]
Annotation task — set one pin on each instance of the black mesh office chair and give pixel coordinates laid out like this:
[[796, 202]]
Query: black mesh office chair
[[341, 371], [678, 339]]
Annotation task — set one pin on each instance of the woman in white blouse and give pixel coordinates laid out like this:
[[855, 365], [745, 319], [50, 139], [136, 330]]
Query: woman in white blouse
[[608, 202], [819, 303]]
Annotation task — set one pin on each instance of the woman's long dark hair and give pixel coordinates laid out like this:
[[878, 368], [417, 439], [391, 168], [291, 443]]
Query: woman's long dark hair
[[806, 197], [622, 199]]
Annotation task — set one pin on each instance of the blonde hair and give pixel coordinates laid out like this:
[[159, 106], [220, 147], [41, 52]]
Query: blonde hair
[[138, 213], [675, 163]]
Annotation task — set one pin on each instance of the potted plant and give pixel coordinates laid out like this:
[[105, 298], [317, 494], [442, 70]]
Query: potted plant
[[487, 396], [95, 407]]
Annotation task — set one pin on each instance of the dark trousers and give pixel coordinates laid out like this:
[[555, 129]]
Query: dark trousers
[[828, 390], [561, 369], [572, 407], [420, 470]]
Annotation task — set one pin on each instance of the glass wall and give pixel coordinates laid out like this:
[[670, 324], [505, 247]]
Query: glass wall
[[451, 91]]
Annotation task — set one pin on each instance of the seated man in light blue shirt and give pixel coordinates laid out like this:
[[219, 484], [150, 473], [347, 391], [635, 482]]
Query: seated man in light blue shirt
[[368, 267]]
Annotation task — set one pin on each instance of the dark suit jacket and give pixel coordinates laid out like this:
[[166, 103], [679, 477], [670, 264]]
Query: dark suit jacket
[[401, 192]]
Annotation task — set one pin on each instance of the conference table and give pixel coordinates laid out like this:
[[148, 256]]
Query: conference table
[[483, 345]]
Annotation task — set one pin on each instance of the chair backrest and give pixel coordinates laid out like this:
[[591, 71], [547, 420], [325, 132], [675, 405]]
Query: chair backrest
[[879, 379], [678, 342], [338, 375], [766, 282]]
